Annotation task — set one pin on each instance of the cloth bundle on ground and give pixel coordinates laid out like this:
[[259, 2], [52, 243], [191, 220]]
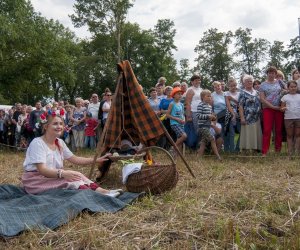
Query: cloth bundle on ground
[[20, 211]]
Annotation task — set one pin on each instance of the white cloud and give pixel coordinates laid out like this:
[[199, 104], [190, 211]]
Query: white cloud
[[272, 20]]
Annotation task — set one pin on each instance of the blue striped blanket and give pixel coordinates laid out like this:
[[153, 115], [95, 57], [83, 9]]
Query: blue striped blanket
[[20, 211]]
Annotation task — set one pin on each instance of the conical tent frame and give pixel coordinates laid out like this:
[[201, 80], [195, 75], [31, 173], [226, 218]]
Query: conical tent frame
[[105, 144]]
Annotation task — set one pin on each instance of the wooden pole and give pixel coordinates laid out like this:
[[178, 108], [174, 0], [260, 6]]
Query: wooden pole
[[178, 151]]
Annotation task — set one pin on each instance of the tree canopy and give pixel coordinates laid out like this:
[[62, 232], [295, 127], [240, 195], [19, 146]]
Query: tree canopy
[[41, 59]]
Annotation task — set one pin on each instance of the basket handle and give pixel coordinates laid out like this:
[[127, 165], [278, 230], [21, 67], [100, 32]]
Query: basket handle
[[162, 149]]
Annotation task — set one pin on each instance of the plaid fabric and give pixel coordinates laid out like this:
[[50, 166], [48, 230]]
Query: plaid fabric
[[178, 129], [205, 135], [20, 211], [141, 124]]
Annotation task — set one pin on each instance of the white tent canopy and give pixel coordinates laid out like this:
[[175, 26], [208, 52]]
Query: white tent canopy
[[5, 107]]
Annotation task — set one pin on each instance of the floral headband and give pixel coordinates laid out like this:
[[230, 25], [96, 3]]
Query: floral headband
[[43, 117]]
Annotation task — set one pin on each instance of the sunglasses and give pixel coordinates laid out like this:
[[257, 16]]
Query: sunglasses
[[108, 95]]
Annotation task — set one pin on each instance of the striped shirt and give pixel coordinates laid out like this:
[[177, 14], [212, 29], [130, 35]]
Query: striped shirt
[[204, 110]]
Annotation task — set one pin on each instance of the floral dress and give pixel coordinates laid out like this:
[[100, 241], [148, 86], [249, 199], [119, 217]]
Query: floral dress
[[251, 105], [251, 134]]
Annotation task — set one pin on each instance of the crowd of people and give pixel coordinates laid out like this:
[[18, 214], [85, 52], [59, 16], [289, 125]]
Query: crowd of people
[[232, 118], [83, 121], [241, 119]]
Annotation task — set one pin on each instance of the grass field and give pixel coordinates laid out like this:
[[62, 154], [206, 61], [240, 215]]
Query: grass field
[[240, 203]]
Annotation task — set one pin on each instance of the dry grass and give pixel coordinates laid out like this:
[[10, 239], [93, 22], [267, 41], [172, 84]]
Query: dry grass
[[240, 203]]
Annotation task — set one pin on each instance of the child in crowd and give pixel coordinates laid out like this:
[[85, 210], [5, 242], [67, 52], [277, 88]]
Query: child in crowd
[[205, 117], [216, 132], [231, 98], [68, 136], [290, 104], [90, 131], [176, 115]]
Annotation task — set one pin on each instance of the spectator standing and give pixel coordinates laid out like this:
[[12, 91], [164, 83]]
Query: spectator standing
[[184, 87], [154, 101], [162, 81], [223, 85], [61, 104], [160, 89], [26, 130], [54, 106], [100, 112], [48, 107], [78, 120], [176, 115], [192, 100], [90, 131], [86, 103], [270, 94], [21, 118], [2, 121], [106, 107], [205, 116], [219, 108], [93, 107], [296, 77], [15, 117], [9, 134], [290, 104], [68, 135], [231, 98], [34, 119], [164, 106], [250, 112]]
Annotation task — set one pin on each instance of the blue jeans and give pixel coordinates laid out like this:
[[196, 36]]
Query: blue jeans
[[229, 137], [90, 141]]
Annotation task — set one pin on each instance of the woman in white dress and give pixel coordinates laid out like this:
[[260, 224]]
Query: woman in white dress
[[43, 165]]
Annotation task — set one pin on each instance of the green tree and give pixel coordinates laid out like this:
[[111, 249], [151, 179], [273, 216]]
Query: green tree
[[19, 62], [164, 33], [61, 58], [185, 71], [37, 56], [140, 50], [277, 55], [103, 17], [149, 58], [214, 62], [251, 52], [292, 55]]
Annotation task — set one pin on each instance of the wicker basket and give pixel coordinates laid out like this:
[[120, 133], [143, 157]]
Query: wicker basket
[[157, 178]]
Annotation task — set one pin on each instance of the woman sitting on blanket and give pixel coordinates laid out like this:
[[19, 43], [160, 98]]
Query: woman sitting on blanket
[[43, 165]]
